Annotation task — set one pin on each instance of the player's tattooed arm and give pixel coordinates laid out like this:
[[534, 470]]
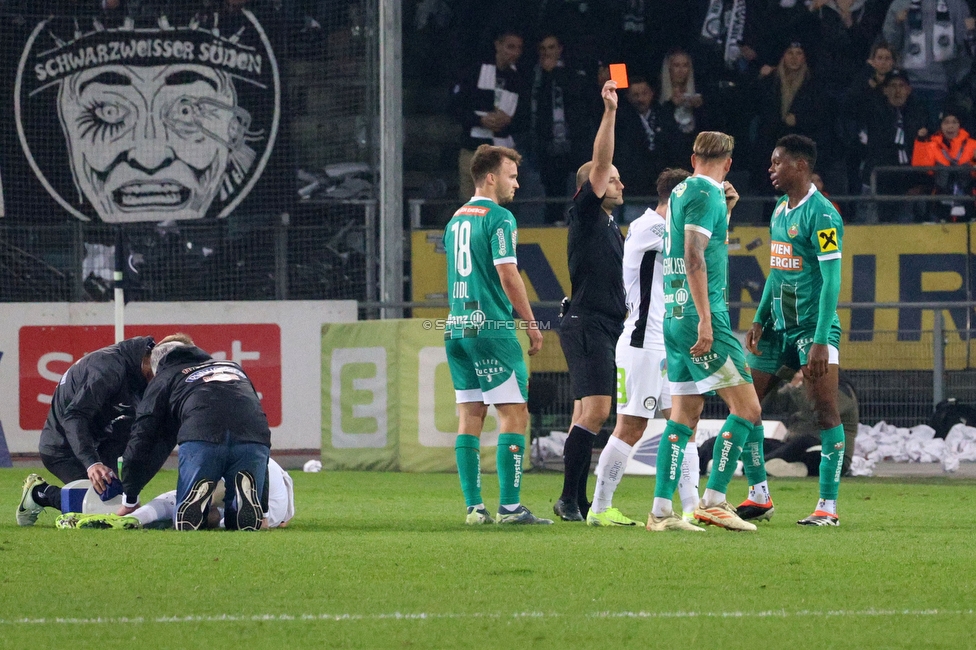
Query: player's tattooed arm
[[695, 245], [696, 273]]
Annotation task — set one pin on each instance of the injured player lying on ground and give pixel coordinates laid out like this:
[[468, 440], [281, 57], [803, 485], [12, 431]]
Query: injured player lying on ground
[[274, 510]]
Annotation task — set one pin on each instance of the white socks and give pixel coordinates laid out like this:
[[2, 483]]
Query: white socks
[[759, 493], [161, 508], [662, 507], [609, 471], [712, 498], [690, 475], [828, 505]]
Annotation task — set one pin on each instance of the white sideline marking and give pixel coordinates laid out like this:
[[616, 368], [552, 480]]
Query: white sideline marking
[[422, 616]]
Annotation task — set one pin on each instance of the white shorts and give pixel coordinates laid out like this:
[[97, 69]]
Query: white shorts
[[642, 381], [281, 496]]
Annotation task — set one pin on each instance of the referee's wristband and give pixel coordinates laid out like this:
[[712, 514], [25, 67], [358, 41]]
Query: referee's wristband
[[125, 501]]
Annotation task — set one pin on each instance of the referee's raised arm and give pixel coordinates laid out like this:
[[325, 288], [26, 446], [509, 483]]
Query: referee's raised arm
[[603, 143]]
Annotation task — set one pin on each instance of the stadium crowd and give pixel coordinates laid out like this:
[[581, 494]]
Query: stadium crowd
[[871, 81]]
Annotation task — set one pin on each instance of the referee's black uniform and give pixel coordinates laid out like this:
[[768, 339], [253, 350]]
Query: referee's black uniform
[[589, 330]]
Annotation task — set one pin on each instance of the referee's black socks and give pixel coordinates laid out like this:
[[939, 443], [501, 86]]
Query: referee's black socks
[[577, 455]]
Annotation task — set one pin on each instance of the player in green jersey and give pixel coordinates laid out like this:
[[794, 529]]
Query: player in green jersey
[[703, 353], [796, 325], [483, 353]]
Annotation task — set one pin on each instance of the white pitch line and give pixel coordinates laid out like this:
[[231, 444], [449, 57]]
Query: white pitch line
[[425, 616]]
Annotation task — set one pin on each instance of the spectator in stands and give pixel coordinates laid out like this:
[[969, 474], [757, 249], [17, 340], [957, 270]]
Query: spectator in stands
[[845, 30], [724, 40], [636, 47], [892, 128], [933, 38], [779, 23], [640, 151], [951, 146], [858, 103], [590, 38], [487, 100], [790, 101], [682, 107], [557, 134]]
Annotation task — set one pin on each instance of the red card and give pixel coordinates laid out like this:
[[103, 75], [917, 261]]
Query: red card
[[618, 72]]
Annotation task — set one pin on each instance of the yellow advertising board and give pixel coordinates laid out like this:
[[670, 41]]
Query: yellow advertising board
[[906, 264]]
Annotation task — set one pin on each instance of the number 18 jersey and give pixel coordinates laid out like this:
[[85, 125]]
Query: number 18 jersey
[[479, 236]]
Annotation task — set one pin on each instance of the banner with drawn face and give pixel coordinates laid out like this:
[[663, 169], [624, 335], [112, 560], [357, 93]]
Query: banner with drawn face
[[133, 123]]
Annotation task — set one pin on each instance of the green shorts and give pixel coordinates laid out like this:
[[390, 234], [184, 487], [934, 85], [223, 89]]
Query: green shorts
[[785, 351], [724, 366], [488, 370]]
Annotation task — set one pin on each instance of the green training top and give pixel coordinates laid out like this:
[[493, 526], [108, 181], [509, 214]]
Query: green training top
[[696, 204], [480, 235], [803, 242]]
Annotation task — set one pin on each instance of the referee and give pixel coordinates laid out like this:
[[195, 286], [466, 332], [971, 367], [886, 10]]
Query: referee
[[594, 320]]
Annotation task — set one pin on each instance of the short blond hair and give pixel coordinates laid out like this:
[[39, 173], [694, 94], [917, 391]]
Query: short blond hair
[[179, 337], [712, 145]]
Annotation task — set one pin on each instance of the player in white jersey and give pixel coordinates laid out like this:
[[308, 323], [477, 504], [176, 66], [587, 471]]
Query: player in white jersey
[[642, 383], [159, 512]]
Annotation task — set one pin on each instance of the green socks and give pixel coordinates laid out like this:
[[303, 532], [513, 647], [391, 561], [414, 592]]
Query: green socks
[[669, 454], [753, 461], [467, 450], [831, 461], [509, 460], [725, 454]]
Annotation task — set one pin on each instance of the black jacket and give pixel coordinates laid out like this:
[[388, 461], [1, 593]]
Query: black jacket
[[808, 108], [193, 397], [638, 163], [101, 388], [468, 100], [881, 148]]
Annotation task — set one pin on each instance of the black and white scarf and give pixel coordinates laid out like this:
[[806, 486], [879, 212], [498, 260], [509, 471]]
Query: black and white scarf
[[558, 142], [903, 158], [943, 46], [724, 26], [649, 122]]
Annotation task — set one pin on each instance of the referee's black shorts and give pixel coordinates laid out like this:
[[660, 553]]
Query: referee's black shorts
[[589, 344]]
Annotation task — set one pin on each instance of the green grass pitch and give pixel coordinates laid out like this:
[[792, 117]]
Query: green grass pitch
[[376, 560]]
